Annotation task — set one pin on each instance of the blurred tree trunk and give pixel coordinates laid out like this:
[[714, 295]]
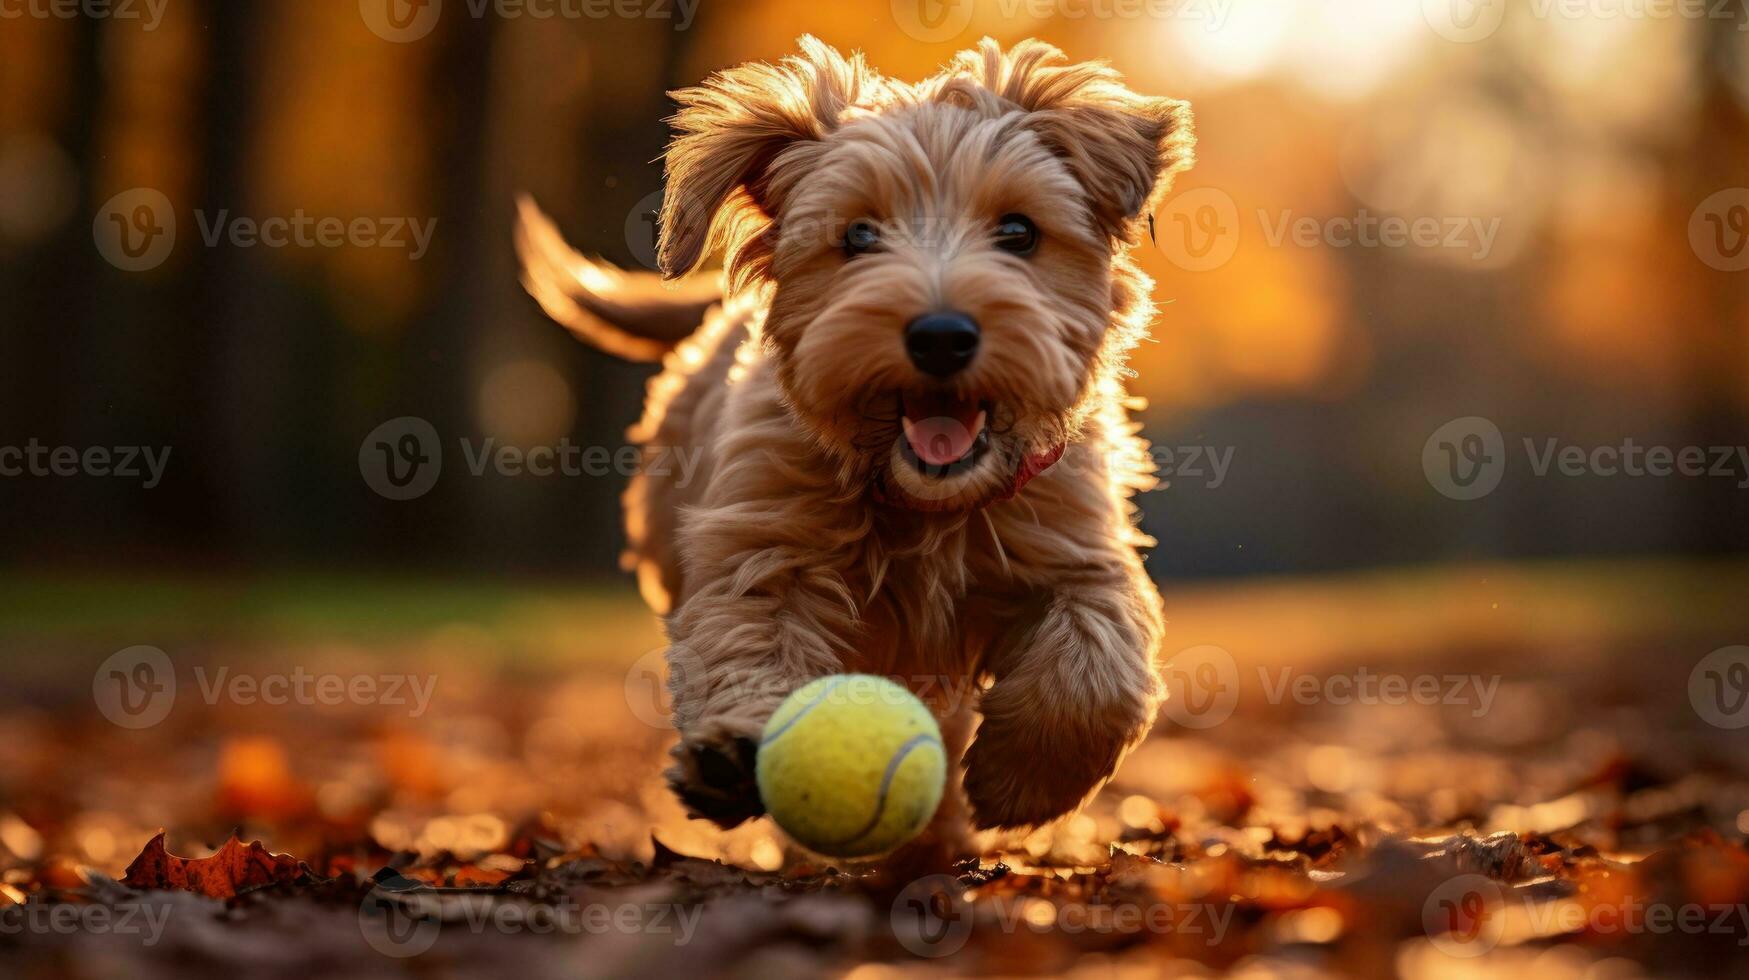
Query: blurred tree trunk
[[51, 313], [231, 359], [1716, 341]]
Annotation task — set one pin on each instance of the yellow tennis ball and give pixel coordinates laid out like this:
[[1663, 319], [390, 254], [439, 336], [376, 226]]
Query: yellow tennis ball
[[851, 765]]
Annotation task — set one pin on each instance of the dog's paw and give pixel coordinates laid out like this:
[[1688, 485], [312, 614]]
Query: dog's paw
[[1007, 788], [713, 776], [1030, 765]]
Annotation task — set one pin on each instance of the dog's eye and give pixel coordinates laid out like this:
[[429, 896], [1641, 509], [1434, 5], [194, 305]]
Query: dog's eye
[[1016, 233], [860, 237]]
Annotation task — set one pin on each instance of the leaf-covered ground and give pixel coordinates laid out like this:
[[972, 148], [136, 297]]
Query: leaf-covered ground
[[1487, 772]]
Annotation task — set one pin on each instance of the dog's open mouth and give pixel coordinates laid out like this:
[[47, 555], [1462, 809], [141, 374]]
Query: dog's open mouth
[[944, 434]]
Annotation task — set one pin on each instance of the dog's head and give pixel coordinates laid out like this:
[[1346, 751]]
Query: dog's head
[[948, 261]]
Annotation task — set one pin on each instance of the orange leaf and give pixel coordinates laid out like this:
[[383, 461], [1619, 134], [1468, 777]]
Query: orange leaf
[[235, 868]]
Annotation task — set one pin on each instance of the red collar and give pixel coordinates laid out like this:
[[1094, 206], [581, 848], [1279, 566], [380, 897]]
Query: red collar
[[1034, 465]]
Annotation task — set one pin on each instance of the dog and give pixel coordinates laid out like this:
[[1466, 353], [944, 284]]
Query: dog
[[908, 386]]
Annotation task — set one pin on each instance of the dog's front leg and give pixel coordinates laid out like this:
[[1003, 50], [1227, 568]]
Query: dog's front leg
[[738, 647], [1074, 691]]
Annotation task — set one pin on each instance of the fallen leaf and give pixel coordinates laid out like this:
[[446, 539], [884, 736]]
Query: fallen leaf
[[235, 868]]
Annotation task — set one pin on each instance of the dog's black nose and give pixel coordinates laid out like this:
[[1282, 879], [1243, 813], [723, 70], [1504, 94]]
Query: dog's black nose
[[941, 344]]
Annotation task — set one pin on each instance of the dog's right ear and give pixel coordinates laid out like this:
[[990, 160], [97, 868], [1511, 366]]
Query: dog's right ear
[[736, 137]]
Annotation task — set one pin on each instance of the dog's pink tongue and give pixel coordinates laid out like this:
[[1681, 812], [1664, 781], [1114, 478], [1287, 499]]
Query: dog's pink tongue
[[941, 431]]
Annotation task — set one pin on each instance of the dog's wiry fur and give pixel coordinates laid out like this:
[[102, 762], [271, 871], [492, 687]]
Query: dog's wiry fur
[[806, 545]]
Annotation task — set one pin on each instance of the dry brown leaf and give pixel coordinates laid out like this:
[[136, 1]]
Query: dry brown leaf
[[235, 868]]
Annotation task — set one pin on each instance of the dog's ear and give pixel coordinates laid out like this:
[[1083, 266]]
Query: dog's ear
[[735, 136], [1124, 148], [1124, 152]]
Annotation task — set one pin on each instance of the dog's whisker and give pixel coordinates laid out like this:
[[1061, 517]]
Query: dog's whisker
[[1001, 552]]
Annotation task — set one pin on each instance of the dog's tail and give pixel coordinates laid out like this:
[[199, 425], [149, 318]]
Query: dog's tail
[[635, 315]]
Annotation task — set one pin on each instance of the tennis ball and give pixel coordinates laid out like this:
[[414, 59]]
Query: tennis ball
[[851, 765]]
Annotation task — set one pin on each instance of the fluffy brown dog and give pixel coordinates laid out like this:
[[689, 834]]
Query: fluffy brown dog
[[908, 386]]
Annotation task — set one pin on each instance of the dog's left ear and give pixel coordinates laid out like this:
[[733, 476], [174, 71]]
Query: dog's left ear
[[1124, 148], [740, 140], [1125, 153]]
